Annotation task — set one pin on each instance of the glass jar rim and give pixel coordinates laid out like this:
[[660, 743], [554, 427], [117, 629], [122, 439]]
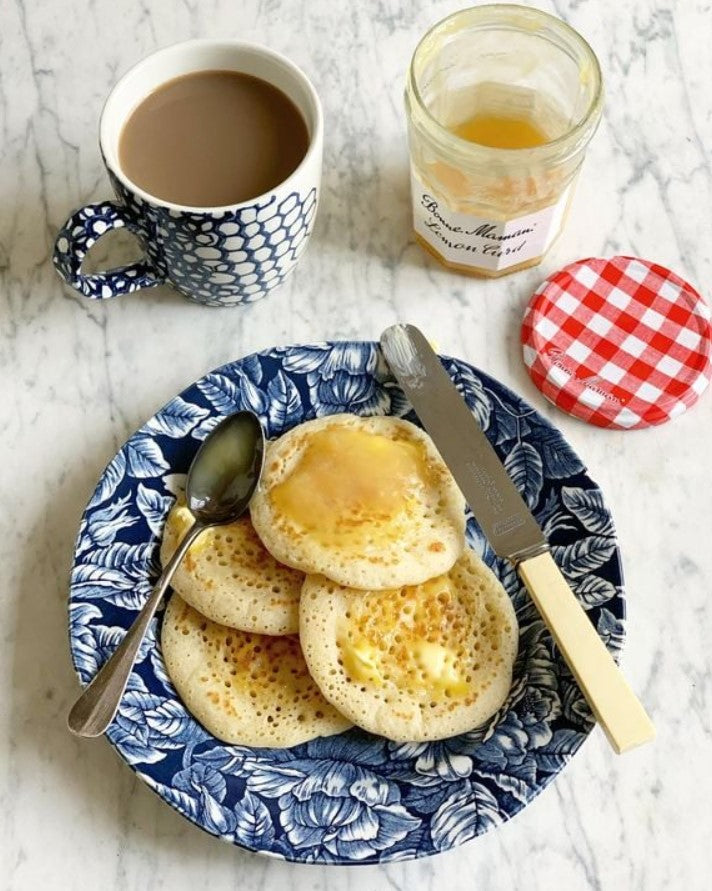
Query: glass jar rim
[[495, 13]]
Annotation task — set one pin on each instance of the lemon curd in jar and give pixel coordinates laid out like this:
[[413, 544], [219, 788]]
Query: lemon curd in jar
[[501, 131], [502, 102]]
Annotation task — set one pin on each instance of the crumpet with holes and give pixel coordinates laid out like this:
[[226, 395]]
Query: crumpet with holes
[[229, 576], [366, 502], [246, 689], [414, 663]]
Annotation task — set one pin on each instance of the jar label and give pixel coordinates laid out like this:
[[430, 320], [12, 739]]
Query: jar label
[[469, 240]]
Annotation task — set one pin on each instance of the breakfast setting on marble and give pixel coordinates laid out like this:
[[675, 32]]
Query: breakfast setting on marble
[[385, 618], [355, 601]]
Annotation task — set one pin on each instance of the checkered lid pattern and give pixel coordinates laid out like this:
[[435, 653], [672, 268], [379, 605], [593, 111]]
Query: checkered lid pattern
[[619, 343]]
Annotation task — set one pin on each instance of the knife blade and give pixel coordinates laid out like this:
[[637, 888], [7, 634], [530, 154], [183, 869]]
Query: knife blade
[[513, 531], [500, 510]]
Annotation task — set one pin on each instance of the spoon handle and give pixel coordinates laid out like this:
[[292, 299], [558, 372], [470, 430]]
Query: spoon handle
[[95, 709]]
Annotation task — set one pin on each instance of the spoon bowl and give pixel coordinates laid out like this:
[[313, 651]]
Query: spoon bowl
[[221, 480], [226, 470]]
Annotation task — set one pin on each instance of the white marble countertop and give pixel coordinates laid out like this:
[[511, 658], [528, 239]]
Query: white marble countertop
[[77, 378]]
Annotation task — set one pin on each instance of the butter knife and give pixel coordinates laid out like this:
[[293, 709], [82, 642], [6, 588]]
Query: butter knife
[[513, 532]]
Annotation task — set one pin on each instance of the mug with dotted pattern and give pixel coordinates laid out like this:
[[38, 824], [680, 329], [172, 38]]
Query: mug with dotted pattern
[[217, 256]]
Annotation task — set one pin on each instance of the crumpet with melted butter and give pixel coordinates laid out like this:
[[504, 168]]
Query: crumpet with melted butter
[[366, 502], [413, 663], [246, 689]]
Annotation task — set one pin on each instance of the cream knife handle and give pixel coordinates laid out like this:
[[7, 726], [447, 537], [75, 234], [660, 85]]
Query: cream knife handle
[[614, 704]]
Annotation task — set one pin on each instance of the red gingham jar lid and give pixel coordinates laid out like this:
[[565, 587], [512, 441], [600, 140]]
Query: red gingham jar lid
[[619, 343]]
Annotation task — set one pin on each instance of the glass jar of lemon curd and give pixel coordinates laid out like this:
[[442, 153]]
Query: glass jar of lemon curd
[[502, 102]]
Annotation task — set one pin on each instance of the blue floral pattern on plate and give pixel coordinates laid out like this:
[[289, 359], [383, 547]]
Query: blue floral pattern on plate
[[351, 798]]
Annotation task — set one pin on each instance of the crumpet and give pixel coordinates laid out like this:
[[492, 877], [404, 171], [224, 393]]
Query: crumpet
[[247, 689], [229, 576], [413, 663], [367, 502]]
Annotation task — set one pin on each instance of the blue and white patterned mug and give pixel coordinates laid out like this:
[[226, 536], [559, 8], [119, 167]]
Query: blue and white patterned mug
[[217, 256]]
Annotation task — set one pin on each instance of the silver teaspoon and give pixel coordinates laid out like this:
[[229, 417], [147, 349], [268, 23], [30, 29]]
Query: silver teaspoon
[[221, 480]]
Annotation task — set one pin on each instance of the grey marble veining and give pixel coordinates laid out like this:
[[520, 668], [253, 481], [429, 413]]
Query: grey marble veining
[[77, 378]]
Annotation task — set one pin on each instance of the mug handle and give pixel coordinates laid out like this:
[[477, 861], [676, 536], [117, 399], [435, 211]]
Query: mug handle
[[83, 229]]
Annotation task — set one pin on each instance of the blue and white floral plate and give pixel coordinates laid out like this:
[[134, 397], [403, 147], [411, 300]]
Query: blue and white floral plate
[[352, 798]]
